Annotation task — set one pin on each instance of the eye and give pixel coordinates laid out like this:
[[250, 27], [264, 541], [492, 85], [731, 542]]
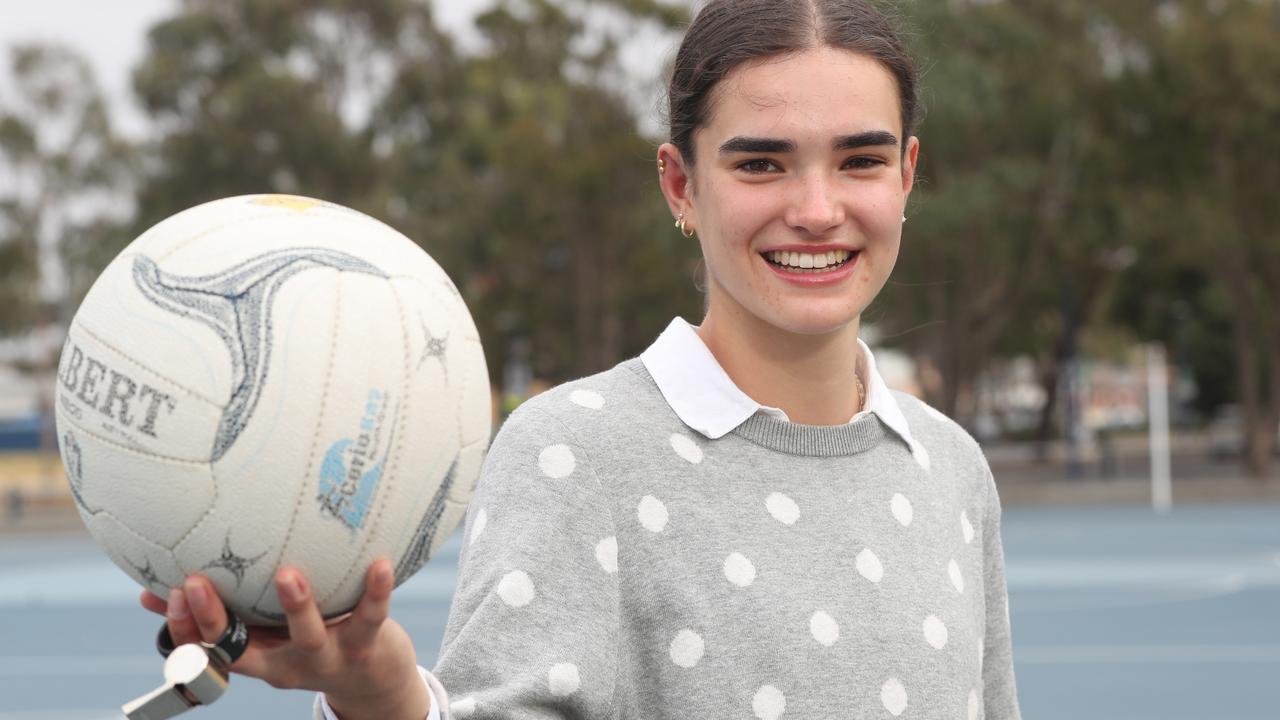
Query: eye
[[758, 166], [863, 162]]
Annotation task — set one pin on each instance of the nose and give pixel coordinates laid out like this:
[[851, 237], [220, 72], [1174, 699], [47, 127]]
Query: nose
[[816, 207]]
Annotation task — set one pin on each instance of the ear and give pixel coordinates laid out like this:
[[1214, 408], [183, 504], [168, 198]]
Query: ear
[[909, 160], [676, 181]]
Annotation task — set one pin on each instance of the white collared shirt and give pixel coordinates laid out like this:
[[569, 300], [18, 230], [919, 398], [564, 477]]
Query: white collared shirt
[[703, 396]]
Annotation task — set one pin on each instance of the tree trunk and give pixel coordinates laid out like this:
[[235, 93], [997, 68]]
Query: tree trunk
[[1248, 374]]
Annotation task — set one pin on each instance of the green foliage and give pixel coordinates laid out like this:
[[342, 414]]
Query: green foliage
[[1209, 106], [1014, 219], [519, 168], [63, 189], [1090, 171]]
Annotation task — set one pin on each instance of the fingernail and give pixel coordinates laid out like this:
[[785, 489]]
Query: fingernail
[[291, 587], [177, 604], [197, 596], [383, 574]]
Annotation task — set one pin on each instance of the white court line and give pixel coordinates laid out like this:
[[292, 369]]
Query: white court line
[[76, 666], [64, 714], [1123, 573], [98, 583], [1125, 654], [1029, 601]]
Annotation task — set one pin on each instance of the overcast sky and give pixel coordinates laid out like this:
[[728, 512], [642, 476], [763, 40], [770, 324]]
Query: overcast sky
[[111, 33]]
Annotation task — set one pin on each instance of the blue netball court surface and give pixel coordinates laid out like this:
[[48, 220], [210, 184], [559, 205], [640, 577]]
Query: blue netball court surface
[[1118, 614]]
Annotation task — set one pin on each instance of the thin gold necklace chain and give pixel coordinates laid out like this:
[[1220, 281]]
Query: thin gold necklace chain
[[862, 391]]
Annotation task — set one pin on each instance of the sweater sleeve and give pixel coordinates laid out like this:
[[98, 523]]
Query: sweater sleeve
[[533, 629], [1000, 695]]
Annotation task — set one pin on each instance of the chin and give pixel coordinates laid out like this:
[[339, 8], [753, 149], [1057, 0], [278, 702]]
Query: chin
[[812, 321]]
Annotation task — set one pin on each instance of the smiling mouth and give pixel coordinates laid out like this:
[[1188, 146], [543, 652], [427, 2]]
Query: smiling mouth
[[809, 263]]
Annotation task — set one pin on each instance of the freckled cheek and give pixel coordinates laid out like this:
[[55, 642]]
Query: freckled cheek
[[741, 216], [878, 262], [879, 209]]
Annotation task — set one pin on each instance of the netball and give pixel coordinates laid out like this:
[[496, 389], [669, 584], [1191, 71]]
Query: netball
[[271, 380]]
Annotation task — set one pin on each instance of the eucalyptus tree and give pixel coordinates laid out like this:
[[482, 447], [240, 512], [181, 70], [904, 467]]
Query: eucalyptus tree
[[65, 186]]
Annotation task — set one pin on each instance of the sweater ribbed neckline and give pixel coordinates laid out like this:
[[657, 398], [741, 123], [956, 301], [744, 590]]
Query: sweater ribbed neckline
[[812, 440], [794, 438]]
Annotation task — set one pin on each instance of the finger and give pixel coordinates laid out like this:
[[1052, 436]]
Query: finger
[[154, 603], [306, 626], [182, 627], [262, 652], [361, 629], [206, 607]]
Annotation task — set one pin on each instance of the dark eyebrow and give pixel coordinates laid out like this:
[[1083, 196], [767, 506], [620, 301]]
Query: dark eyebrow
[[865, 139], [756, 145], [870, 138]]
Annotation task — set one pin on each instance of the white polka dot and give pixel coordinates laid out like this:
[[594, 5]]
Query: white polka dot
[[957, 580], [686, 448], [769, 703], [934, 413], [782, 508], [901, 507], [563, 679], [587, 399], [739, 570], [894, 697], [516, 589], [477, 527], [973, 705], [920, 454], [556, 461], [869, 565], [463, 708], [607, 554], [652, 513], [966, 528], [824, 628], [686, 648], [935, 633]]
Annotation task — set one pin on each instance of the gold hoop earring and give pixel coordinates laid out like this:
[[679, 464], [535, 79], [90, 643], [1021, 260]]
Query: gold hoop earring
[[685, 229]]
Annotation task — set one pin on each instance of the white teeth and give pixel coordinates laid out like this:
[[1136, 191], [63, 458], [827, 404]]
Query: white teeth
[[808, 261]]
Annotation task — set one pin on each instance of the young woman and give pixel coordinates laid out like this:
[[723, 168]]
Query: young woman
[[744, 521]]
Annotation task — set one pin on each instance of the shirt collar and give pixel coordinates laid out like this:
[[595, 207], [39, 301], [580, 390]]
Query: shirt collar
[[701, 394]]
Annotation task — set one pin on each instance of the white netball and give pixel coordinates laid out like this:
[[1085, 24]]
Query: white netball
[[269, 380]]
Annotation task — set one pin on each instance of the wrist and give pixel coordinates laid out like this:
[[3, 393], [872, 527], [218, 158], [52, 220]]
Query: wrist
[[407, 699]]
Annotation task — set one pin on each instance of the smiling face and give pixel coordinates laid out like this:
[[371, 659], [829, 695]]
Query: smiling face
[[798, 191]]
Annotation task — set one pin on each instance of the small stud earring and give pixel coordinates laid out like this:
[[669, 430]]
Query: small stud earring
[[662, 166], [904, 218]]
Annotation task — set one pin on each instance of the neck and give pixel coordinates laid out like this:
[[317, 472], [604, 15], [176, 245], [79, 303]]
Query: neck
[[812, 378]]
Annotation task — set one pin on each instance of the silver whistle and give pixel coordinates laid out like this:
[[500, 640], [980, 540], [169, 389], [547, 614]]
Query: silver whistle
[[192, 676]]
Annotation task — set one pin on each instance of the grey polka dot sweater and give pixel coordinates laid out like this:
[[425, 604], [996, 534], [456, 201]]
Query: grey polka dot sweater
[[617, 564]]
